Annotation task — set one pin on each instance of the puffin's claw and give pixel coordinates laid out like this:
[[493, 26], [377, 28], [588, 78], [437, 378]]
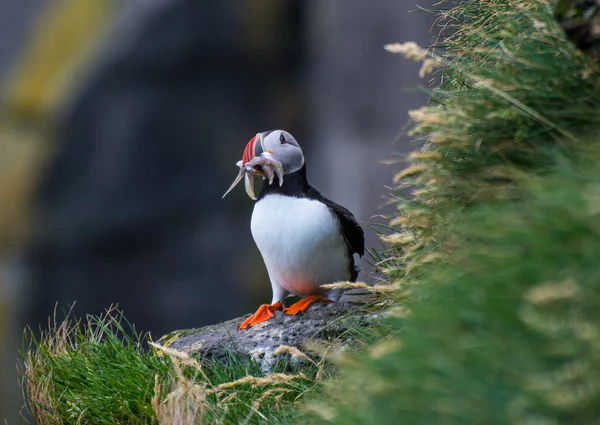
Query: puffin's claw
[[304, 303], [264, 313]]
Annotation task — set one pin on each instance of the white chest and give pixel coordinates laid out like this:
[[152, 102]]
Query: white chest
[[300, 242]]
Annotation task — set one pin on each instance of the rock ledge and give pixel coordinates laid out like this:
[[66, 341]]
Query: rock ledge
[[320, 323]]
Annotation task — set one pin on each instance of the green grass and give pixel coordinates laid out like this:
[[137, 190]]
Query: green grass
[[102, 371], [90, 371], [506, 333], [498, 241], [514, 91], [234, 392]]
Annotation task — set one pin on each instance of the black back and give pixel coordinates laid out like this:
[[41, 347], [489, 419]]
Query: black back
[[296, 185]]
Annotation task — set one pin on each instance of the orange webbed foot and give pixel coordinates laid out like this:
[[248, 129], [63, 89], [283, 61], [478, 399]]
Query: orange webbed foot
[[264, 313], [304, 303]]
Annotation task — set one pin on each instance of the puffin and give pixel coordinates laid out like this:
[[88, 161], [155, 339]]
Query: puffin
[[305, 239]]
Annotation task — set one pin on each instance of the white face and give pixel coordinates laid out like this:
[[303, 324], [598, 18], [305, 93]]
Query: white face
[[285, 148]]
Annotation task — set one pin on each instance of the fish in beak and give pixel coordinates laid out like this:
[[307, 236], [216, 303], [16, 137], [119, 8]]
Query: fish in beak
[[256, 161]]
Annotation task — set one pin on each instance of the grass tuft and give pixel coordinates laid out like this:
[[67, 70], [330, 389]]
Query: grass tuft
[[94, 371], [235, 392], [102, 371]]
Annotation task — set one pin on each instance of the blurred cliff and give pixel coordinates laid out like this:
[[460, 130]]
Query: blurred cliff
[[120, 126]]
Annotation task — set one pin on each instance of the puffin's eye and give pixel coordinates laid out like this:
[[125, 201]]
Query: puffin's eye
[[282, 139]]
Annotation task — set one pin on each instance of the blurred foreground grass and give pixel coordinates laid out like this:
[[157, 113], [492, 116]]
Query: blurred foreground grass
[[498, 245], [508, 332]]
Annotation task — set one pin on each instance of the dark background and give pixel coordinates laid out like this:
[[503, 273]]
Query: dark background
[[120, 126]]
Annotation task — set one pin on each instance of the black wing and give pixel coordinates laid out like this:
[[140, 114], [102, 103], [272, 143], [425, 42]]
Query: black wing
[[351, 230]]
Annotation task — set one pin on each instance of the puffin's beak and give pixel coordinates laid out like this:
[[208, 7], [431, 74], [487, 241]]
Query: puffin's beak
[[253, 149], [257, 161]]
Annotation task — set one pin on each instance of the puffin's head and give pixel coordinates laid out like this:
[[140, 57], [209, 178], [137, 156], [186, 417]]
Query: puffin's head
[[268, 154], [277, 145]]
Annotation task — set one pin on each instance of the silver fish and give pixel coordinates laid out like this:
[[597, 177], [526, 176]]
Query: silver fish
[[268, 170], [249, 185], [279, 171], [275, 165], [238, 179], [269, 166]]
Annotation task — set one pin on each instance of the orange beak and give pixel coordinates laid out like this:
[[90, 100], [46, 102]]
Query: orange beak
[[253, 149]]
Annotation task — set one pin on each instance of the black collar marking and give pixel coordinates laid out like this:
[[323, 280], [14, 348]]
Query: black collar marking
[[296, 185]]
